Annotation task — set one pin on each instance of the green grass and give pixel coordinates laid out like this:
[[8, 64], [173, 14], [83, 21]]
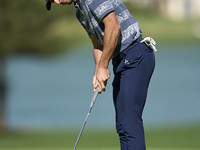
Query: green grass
[[166, 139], [93, 149], [177, 138]]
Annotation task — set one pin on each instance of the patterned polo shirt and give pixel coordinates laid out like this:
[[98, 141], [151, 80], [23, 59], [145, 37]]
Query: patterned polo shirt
[[91, 12]]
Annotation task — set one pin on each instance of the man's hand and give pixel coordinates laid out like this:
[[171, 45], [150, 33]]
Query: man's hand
[[100, 79], [95, 83], [102, 76]]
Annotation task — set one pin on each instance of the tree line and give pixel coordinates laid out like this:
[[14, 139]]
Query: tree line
[[24, 28]]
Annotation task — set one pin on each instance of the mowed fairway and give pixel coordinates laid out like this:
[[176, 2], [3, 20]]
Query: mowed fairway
[[95, 149], [168, 139]]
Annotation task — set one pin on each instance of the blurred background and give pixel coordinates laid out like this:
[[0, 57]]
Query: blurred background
[[46, 70]]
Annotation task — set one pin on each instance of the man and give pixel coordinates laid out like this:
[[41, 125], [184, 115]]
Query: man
[[116, 35]]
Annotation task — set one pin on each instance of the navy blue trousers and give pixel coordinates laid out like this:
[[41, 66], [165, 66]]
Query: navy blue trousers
[[133, 70]]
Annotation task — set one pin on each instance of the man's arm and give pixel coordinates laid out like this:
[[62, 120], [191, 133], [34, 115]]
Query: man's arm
[[103, 54], [98, 48], [111, 36]]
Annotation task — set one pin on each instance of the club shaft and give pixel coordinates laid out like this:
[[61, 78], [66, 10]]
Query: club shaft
[[91, 105]]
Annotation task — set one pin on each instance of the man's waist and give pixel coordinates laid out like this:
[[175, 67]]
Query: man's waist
[[134, 43], [123, 52]]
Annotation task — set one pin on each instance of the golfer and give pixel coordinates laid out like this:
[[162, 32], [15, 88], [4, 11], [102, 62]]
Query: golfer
[[116, 36]]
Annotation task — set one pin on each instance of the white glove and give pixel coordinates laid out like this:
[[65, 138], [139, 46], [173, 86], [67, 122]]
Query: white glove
[[150, 43]]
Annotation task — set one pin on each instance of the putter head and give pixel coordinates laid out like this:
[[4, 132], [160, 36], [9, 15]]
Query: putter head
[[48, 4]]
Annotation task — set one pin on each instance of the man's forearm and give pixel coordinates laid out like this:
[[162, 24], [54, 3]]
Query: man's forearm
[[97, 56], [111, 36]]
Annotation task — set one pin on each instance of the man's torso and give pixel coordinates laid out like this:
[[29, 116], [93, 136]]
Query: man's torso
[[91, 12]]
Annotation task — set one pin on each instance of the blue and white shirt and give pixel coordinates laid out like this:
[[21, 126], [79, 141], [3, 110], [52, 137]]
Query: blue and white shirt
[[91, 12]]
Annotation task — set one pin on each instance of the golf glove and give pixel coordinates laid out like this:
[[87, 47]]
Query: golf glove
[[150, 43]]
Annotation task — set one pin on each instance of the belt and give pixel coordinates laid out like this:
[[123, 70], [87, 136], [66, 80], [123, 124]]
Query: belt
[[122, 53]]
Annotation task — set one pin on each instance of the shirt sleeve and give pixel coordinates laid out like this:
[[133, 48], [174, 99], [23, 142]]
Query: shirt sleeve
[[83, 22], [100, 8]]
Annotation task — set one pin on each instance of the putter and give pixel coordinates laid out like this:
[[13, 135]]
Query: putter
[[91, 105]]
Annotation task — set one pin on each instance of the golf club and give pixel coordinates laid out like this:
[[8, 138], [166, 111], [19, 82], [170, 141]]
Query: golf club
[[91, 105]]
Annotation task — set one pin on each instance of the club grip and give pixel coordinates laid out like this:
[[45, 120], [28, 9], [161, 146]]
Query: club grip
[[94, 97]]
